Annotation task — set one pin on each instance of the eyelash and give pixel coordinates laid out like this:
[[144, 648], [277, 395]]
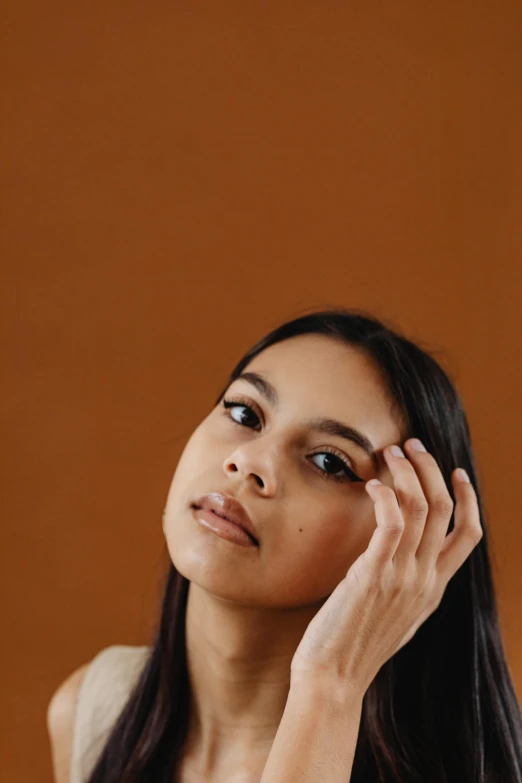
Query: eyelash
[[349, 475]]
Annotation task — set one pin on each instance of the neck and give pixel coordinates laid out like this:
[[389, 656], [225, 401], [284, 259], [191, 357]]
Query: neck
[[238, 660]]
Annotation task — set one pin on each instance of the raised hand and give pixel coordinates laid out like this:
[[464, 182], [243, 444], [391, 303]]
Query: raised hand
[[399, 581]]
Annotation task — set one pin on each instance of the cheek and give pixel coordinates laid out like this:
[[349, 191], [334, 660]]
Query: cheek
[[317, 552], [193, 461]]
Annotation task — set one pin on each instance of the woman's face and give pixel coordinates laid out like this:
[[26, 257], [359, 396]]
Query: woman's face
[[310, 527]]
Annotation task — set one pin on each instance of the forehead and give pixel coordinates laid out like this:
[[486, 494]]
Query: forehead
[[317, 375]]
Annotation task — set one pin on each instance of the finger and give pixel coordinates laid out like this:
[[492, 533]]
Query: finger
[[440, 505], [413, 503], [466, 534], [390, 524]]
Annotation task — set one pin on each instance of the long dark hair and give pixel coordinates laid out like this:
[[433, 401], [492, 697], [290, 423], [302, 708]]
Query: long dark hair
[[443, 708]]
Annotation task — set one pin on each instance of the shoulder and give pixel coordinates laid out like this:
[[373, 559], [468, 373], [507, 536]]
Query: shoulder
[[85, 705], [60, 722]]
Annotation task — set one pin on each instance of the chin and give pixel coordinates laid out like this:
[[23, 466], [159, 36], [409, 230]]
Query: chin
[[204, 558]]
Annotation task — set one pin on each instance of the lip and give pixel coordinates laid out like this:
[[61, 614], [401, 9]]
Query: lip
[[229, 508]]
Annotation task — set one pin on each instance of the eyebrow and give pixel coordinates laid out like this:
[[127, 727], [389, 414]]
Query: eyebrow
[[319, 423]]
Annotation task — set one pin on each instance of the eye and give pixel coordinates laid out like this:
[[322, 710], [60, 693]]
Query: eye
[[341, 472], [237, 404]]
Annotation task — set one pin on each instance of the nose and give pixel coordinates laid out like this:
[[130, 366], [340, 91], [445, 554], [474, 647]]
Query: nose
[[253, 462]]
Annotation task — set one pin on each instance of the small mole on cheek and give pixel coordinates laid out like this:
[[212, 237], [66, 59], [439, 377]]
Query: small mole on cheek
[[300, 529]]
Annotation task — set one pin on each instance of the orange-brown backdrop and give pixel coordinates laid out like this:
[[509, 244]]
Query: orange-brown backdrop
[[178, 178]]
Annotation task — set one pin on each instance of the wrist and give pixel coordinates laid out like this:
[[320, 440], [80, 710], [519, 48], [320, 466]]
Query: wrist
[[317, 736], [320, 685]]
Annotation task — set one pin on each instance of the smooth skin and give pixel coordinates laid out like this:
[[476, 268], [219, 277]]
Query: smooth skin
[[257, 617], [399, 581], [386, 596]]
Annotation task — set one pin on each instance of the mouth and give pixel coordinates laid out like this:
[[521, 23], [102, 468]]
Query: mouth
[[229, 510], [223, 526]]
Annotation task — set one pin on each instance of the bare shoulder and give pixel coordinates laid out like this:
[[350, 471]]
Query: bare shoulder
[[61, 712]]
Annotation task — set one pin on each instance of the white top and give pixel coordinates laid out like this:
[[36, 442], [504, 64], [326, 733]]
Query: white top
[[105, 689]]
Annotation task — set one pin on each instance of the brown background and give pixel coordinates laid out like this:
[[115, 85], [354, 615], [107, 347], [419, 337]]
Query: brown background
[[177, 179]]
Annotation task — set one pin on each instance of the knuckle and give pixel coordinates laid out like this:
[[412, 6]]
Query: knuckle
[[418, 506], [395, 528], [435, 604], [474, 534], [444, 505], [436, 599], [374, 588], [425, 585]]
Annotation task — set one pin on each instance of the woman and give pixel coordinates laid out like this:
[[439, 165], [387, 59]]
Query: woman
[[352, 634]]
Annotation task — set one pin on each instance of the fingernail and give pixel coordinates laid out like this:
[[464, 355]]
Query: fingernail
[[417, 444], [462, 475], [396, 451]]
